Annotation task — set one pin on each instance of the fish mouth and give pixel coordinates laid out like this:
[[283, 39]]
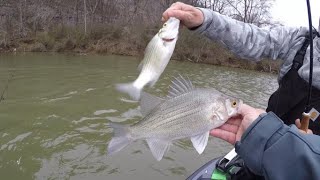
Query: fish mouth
[[168, 40]]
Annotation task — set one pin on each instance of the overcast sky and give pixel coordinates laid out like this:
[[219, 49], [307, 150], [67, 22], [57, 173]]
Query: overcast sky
[[294, 12]]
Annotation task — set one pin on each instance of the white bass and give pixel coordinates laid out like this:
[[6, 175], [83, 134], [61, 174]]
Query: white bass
[[156, 57], [186, 112]]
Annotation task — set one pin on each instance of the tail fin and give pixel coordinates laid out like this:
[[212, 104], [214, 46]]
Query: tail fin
[[130, 89], [120, 140]]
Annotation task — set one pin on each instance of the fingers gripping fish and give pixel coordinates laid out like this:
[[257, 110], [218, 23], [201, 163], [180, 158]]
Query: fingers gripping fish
[[156, 57]]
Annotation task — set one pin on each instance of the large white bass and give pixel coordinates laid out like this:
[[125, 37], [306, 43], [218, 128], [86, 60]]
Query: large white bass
[[156, 57], [185, 112]]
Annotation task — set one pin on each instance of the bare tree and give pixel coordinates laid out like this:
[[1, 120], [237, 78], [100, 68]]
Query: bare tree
[[218, 5], [18, 18], [251, 11], [85, 16], [215, 5]]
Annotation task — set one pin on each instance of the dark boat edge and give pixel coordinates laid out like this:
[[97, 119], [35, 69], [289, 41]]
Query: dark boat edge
[[205, 171]]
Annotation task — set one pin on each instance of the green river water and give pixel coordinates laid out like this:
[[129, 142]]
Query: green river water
[[55, 113]]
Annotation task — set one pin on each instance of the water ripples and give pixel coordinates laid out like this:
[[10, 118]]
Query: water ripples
[[55, 119]]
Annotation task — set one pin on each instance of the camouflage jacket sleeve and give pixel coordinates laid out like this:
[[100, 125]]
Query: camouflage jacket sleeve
[[249, 41], [277, 151]]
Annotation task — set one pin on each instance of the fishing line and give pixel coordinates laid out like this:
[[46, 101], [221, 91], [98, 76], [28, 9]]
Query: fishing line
[[308, 108], [316, 31], [6, 87], [12, 73]]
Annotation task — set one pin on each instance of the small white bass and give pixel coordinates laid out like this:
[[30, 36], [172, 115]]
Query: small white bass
[[156, 57], [187, 112]]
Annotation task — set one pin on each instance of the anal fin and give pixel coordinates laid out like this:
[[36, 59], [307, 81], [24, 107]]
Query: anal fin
[[158, 147]]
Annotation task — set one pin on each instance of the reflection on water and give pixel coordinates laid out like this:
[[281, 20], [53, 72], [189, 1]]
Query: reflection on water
[[54, 119]]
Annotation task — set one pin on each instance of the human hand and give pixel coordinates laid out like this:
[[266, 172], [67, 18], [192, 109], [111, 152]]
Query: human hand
[[298, 124], [187, 14], [233, 129]]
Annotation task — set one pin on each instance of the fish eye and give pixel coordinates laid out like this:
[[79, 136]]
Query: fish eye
[[234, 103], [165, 24]]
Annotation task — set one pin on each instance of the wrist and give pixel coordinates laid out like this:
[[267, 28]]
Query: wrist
[[255, 139], [252, 119]]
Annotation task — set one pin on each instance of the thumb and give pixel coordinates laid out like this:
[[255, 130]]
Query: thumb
[[298, 123], [251, 112], [244, 109], [179, 14]]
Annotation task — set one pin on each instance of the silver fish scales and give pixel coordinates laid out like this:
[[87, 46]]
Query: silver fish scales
[[156, 57], [187, 112]]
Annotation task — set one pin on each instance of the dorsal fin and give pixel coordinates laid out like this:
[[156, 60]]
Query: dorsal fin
[[148, 102], [179, 85]]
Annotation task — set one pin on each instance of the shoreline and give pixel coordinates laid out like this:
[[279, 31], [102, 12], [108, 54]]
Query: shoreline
[[189, 47]]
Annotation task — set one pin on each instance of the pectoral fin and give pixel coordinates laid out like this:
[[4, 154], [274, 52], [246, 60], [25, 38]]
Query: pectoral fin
[[200, 141], [158, 147]]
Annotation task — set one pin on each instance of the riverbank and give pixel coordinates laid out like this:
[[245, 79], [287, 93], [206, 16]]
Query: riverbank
[[132, 42]]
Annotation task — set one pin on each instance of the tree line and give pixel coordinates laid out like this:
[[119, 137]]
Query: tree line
[[118, 27], [19, 18]]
